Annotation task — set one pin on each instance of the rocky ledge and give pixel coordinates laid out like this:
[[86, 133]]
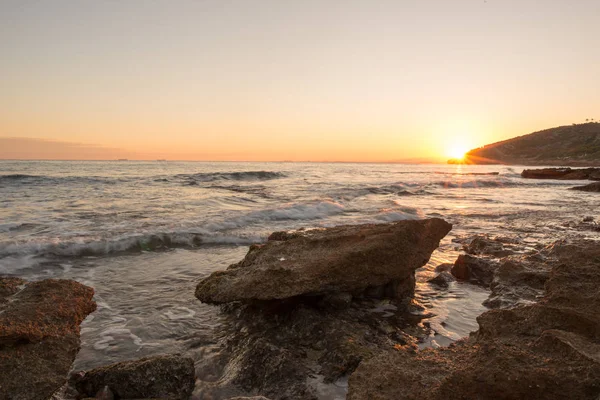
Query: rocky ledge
[[562, 173], [546, 350], [39, 334], [347, 260]]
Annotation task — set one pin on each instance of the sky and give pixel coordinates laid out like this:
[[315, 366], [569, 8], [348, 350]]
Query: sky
[[273, 80]]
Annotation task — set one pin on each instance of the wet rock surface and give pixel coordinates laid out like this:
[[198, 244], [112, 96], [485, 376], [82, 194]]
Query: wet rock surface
[[592, 187], [165, 377], [546, 350], [39, 334], [285, 349], [562, 173], [319, 262]]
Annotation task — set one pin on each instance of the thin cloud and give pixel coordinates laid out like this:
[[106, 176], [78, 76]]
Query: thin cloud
[[15, 148]]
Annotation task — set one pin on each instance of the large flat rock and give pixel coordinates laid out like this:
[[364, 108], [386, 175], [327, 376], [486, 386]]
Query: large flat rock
[[39, 334], [348, 259]]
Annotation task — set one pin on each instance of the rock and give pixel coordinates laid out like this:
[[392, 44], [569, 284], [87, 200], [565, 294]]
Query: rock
[[444, 267], [39, 335], [167, 376], [562, 173], [442, 279], [547, 350], [482, 245], [474, 269], [518, 282], [319, 262], [285, 349], [264, 367], [592, 187]]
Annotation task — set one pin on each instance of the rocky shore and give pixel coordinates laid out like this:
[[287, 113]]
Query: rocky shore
[[318, 306], [544, 350]]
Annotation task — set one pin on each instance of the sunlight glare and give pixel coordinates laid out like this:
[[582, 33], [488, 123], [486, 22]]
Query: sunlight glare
[[457, 151]]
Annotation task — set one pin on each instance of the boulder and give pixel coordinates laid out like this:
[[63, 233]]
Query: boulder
[[167, 376], [592, 187], [474, 269], [547, 350], [319, 262], [39, 334]]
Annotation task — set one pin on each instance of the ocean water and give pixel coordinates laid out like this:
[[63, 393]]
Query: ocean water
[[144, 233]]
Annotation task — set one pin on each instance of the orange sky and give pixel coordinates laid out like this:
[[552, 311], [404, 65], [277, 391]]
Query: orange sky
[[271, 80]]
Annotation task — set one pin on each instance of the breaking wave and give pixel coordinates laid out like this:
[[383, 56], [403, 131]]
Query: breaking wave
[[126, 244]]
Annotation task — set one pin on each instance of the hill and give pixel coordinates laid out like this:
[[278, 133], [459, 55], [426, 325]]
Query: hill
[[572, 145]]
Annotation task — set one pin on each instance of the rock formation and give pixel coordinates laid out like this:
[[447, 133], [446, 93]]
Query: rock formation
[[319, 262], [547, 350], [562, 173], [307, 306], [39, 334]]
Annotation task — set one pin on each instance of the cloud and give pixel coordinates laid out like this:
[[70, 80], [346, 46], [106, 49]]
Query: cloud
[[45, 149]]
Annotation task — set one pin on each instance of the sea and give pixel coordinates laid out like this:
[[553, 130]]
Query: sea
[[144, 233]]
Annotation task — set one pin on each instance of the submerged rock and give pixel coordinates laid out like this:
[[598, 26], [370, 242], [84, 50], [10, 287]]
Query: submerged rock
[[168, 377], [592, 187], [319, 262], [548, 350], [39, 334]]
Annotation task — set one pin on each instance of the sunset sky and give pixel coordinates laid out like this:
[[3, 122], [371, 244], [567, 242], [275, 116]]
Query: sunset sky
[[290, 80]]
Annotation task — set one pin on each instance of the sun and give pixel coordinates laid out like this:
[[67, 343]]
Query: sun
[[457, 151]]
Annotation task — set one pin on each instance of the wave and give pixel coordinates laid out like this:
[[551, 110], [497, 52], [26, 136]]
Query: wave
[[126, 244], [231, 176], [474, 184], [23, 179], [306, 211]]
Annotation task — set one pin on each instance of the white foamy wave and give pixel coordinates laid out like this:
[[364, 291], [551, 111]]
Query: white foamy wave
[[132, 243], [399, 213]]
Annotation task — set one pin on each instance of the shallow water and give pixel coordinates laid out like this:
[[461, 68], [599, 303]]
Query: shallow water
[[144, 233]]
